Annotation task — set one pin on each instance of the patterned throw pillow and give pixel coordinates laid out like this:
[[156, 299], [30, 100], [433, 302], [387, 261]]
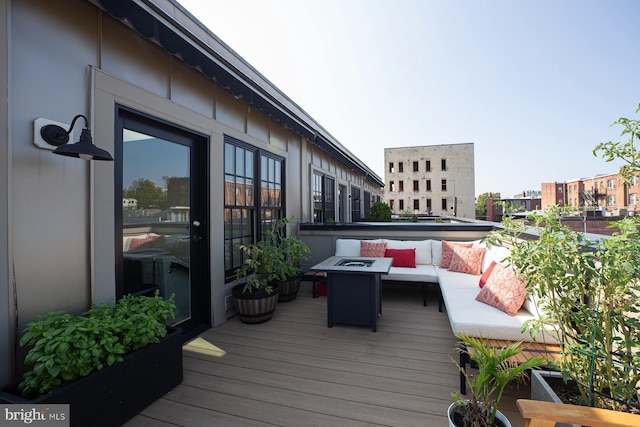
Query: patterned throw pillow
[[503, 290], [371, 249], [447, 251], [467, 260]]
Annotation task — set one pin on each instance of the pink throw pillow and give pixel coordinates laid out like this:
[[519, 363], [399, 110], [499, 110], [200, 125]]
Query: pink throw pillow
[[447, 251], [486, 274], [503, 290], [146, 242], [402, 257], [372, 249], [467, 260]]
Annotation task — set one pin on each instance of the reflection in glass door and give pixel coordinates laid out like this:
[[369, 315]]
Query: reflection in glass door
[[163, 217]]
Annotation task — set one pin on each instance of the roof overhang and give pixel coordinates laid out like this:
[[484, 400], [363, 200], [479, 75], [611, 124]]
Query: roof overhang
[[171, 26]]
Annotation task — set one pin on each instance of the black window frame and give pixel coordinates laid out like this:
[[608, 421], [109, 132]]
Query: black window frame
[[260, 212]]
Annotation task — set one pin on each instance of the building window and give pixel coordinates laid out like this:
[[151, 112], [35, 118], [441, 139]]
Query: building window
[[392, 204], [444, 204], [428, 185], [400, 186], [633, 199], [444, 185], [400, 167], [443, 164], [634, 181], [611, 184], [249, 213], [428, 209], [416, 185], [428, 165], [401, 205], [415, 166], [323, 198], [355, 204], [390, 167], [392, 186], [611, 200], [416, 205]]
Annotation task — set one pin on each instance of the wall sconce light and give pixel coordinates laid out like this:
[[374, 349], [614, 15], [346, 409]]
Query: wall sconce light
[[84, 148]]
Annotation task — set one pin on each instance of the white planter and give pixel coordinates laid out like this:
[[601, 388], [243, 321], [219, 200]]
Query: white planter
[[541, 390], [499, 415]]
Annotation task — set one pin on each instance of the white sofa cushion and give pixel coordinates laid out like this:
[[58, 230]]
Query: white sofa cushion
[[351, 247], [422, 273], [422, 247]]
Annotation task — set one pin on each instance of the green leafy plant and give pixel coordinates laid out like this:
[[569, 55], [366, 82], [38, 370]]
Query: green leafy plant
[[380, 211], [293, 249], [496, 370], [589, 295], [67, 347]]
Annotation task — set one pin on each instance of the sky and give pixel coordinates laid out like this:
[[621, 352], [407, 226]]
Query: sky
[[534, 84]]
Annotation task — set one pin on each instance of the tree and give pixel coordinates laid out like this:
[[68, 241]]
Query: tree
[[481, 204], [147, 193], [623, 151], [380, 211]]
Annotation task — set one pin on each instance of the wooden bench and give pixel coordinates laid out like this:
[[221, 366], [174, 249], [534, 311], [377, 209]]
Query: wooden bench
[[547, 414], [551, 353]]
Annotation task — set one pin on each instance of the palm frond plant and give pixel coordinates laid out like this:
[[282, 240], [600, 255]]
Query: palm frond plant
[[496, 370]]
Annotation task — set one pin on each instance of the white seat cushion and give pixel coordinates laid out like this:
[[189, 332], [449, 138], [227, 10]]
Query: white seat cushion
[[422, 273]]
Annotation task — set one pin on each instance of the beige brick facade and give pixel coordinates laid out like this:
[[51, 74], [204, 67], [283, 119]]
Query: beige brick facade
[[431, 179]]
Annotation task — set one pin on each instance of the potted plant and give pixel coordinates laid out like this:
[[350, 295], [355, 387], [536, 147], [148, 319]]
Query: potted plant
[[294, 250], [496, 370], [257, 298], [588, 292], [108, 363]]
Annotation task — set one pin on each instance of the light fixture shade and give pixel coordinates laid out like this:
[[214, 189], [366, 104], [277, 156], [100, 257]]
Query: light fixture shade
[[84, 149]]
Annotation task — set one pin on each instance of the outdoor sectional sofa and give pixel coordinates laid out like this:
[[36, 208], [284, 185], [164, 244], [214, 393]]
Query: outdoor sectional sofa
[[458, 289]]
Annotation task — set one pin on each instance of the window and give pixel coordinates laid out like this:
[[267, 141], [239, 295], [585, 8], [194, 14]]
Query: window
[[429, 206], [392, 186], [444, 185], [428, 185], [611, 200], [323, 198], [400, 186], [428, 165], [248, 213], [390, 167], [444, 204], [367, 203], [392, 204], [401, 204], [634, 181], [400, 167], [633, 199], [611, 184], [355, 204], [416, 185], [416, 205], [443, 164], [415, 166]]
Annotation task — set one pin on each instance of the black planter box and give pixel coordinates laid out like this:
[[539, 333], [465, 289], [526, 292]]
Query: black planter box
[[116, 393]]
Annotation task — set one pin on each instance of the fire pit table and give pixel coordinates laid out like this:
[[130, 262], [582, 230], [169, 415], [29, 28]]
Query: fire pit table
[[354, 289]]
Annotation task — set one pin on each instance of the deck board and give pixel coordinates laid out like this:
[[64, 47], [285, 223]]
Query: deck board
[[295, 371]]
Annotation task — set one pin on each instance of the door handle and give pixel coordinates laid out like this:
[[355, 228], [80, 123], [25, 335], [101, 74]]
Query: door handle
[[196, 238]]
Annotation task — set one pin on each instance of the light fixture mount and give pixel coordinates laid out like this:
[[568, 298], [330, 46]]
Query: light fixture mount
[[84, 148]]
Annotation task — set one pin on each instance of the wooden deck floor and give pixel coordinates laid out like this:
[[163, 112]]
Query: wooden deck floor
[[294, 371]]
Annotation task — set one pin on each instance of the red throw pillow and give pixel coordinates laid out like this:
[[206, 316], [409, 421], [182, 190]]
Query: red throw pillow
[[372, 249], [147, 242], [486, 274], [467, 260], [503, 290], [447, 251], [402, 257]]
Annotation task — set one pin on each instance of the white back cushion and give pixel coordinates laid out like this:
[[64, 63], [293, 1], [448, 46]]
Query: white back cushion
[[422, 247]]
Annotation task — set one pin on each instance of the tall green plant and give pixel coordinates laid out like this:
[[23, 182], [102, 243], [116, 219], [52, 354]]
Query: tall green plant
[[379, 211], [589, 295]]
